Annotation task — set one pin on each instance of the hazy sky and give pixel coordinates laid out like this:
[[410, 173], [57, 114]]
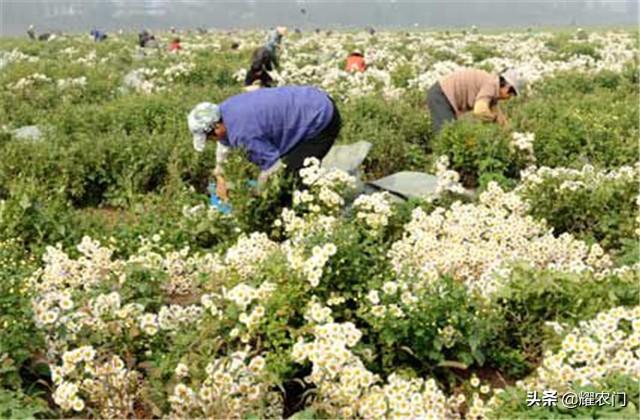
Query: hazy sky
[[82, 15]]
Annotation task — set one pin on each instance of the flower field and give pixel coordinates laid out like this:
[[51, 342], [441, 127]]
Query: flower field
[[124, 294]]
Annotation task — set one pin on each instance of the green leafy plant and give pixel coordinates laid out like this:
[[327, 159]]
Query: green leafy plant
[[478, 152]]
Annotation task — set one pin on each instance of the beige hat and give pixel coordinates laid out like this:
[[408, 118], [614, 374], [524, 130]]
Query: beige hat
[[514, 79], [282, 30]]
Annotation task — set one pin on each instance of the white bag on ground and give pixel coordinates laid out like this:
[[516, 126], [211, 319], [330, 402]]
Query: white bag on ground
[[407, 184], [28, 132], [348, 158], [402, 185]]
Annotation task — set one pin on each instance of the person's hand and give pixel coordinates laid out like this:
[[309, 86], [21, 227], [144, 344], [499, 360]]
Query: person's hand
[[502, 120], [221, 188]]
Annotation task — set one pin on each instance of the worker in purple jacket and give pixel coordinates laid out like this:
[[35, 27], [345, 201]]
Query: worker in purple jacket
[[276, 126]]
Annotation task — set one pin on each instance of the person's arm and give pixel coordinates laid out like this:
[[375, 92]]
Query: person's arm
[[249, 77], [485, 98], [265, 174], [222, 152], [482, 110], [265, 155], [501, 118]]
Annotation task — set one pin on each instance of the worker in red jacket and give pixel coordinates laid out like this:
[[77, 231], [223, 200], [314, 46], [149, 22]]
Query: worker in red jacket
[[175, 45], [355, 62]]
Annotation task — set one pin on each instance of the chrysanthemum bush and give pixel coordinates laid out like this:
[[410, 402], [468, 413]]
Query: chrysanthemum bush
[[475, 243], [589, 353], [174, 332], [313, 299], [451, 271], [481, 153], [98, 115], [84, 323], [104, 386], [232, 387], [19, 337], [528, 307], [599, 205], [374, 210], [448, 180], [590, 120], [598, 356], [346, 388]]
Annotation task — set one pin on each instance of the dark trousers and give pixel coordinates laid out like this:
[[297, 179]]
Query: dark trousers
[[262, 75], [317, 146], [262, 62], [439, 107]]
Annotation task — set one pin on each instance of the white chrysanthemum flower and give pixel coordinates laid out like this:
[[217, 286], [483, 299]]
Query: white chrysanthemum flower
[[182, 370]]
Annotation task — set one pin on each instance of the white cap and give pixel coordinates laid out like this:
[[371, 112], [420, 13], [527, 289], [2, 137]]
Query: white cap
[[201, 120]]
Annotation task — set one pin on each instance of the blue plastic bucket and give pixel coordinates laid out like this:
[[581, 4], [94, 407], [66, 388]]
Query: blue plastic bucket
[[216, 202], [221, 206]]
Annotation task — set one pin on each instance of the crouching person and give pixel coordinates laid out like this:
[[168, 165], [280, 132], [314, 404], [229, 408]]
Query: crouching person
[[472, 90], [355, 62], [263, 61], [277, 127]]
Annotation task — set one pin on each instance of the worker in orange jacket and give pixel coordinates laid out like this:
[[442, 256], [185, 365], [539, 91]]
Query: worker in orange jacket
[[355, 62], [175, 45]]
